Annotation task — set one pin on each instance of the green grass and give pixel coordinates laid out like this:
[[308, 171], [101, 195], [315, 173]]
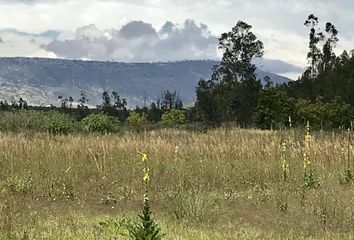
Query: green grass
[[81, 226], [224, 184]]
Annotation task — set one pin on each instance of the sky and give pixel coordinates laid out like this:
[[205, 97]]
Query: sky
[[166, 30]]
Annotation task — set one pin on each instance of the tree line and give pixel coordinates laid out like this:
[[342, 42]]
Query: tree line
[[109, 116], [323, 95]]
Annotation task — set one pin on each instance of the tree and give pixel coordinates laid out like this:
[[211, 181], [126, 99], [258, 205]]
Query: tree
[[71, 100], [4, 105], [106, 100], [120, 106], [327, 50], [320, 61], [233, 88], [154, 113], [240, 47], [64, 102], [170, 100], [319, 79], [22, 104], [83, 99], [206, 105], [274, 108], [314, 55], [269, 83]]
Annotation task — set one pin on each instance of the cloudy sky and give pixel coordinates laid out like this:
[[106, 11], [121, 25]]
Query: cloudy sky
[[165, 30]]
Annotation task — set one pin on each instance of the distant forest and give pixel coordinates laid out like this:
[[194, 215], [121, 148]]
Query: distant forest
[[322, 96]]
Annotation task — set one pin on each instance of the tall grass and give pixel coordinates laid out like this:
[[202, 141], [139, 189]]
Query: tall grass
[[220, 183]]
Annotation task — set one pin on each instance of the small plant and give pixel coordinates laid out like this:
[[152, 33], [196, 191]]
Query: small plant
[[282, 205], [62, 188], [347, 177], [146, 228], [189, 202], [309, 179], [101, 123], [108, 199], [348, 173], [284, 163], [261, 193], [20, 184]]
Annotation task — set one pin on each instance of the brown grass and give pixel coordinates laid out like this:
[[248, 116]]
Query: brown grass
[[221, 180]]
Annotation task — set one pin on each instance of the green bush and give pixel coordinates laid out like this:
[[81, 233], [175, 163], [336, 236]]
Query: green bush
[[99, 122], [22, 120], [59, 123], [137, 120], [173, 118]]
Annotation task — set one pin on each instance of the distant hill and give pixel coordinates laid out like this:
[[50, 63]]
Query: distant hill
[[40, 81]]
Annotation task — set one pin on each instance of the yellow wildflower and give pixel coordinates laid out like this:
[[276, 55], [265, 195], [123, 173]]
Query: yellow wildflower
[[307, 161], [146, 177], [144, 157], [146, 198], [285, 166]]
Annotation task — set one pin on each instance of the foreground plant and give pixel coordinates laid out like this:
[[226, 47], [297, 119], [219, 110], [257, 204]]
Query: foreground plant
[[146, 228], [348, 173], [309, 175]]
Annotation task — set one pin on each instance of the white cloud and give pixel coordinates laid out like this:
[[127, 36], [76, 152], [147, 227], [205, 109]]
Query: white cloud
[[14, 44], [138, 41], [278, 23]]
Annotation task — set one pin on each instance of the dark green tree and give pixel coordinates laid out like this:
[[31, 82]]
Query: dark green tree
[[274, 108], [330, 43], [71, 100], [206, 105], [83, 100], [314, 55], [154, 113], [171, 100], [106, 100], [234, 87]]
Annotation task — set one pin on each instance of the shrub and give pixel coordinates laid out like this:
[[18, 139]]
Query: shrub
[[137, 120], [22, 120], [101, 123], [59, 123], [20, 184], [173, 118]]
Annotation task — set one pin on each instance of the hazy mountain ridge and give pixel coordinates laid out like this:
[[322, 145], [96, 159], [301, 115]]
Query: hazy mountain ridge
[[41, 80]]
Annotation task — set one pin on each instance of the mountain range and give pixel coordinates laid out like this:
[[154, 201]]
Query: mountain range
[[40, 81]]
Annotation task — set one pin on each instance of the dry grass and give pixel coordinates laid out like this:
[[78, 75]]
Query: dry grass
[[215, 185]]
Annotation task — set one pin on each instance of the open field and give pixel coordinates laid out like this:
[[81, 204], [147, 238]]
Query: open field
[[223, 184]]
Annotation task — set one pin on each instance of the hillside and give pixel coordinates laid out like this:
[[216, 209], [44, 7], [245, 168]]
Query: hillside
[[40, 81]]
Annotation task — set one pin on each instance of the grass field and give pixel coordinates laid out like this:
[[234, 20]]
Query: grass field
[[223, 184]]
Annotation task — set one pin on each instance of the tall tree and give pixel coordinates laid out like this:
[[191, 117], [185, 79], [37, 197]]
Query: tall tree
[[314, 55], [71, 100], [170, 100], [106, 100], [83, 99], [330, 43], [234, 87], [119, 107], [240, 47]]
